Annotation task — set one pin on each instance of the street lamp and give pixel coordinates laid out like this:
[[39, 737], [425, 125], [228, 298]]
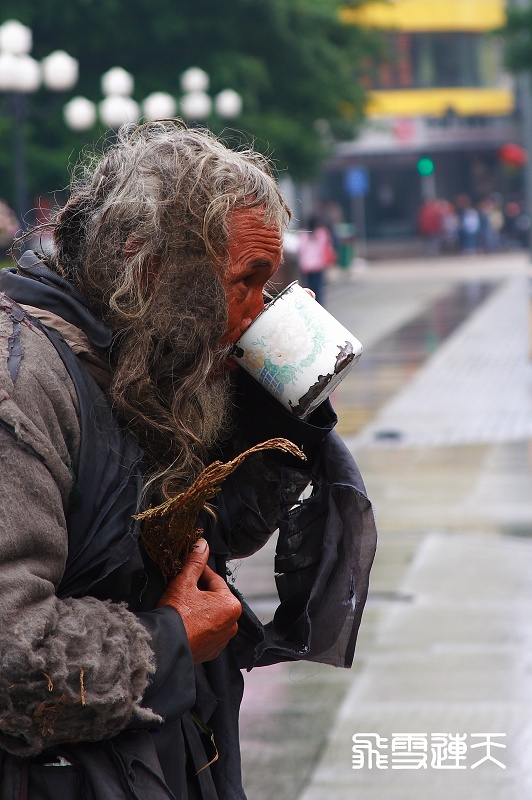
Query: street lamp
[[117, 106], [196, 104], [20, 76]]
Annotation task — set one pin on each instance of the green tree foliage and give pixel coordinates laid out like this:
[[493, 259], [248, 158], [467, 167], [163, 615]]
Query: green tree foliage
[[517, 35], [293, 62]]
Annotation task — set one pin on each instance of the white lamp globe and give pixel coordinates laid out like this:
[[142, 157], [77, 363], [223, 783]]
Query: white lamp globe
[[159, 105], [60, 71], [8, 72], [28, 74], [15, 38], [228, 104], [80, 114], [196, 105], [117, 81], [116, 110], [194, 79]]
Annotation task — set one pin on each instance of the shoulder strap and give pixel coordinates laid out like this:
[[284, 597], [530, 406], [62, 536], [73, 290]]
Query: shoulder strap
[[102, 534]]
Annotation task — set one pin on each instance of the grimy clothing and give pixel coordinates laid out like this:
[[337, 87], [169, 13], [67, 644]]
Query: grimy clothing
[[94, 676]]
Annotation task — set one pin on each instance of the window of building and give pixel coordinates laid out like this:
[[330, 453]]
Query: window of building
[[432, 60]]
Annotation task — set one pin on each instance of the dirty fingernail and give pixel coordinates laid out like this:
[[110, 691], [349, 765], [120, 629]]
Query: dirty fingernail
[[201, 545]]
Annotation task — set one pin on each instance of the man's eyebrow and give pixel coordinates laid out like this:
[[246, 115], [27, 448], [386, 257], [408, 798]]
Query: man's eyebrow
[[261, 263]]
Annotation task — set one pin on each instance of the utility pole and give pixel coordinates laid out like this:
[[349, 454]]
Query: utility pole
[[524, 88], [524, 93]]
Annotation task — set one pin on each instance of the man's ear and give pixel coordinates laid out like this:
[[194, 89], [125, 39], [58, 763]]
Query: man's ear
[[150, 268]]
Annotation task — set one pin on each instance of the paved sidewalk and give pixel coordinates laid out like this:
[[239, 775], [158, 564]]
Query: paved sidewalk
[[476, 388], [453, 658], [446, 639], [450, 652]]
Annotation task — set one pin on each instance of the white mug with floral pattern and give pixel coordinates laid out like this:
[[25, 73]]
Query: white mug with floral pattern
[[297, 351]]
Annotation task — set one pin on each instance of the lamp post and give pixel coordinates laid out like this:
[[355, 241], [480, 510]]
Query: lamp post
[[196, 104], [20, 76], [118, 106]]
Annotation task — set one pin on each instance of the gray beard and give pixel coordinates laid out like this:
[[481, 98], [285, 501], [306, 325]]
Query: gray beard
[[169, 382]]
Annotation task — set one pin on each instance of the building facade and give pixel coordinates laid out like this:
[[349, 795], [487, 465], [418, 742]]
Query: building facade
[[441, 108]]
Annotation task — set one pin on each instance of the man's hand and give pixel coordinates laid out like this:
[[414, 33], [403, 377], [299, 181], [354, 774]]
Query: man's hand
[[205, 603]]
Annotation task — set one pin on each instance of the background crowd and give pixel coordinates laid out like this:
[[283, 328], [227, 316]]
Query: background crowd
[[461, 226]]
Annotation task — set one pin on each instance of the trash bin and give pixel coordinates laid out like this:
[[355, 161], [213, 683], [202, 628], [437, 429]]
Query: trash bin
[[345, 243]]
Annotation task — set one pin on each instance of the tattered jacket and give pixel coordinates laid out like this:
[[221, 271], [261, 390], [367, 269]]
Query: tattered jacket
[[137, 744]]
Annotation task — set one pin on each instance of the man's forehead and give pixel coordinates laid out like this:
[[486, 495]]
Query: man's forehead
[[250, 220], [244, 214]]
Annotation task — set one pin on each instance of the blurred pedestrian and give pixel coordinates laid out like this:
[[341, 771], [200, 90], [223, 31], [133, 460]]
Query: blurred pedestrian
[[469, 225], [516, 225], [316, 254], [491, 223], [429, 225], [450, 222]]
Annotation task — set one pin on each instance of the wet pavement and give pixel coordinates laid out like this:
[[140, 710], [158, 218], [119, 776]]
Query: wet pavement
[[438, 413], [392, 361]]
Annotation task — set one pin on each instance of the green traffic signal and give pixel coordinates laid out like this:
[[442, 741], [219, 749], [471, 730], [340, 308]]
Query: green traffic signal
[[425, 166]]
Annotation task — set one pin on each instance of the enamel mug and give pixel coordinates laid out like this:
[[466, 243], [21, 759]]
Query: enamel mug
[[297, 350]]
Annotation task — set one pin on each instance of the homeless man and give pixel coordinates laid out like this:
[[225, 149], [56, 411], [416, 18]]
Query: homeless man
[[115, 393]]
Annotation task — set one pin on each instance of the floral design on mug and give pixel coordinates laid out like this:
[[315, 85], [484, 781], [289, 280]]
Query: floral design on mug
[[287, 351], [253, 360], [296, 350], [319, 337], [288, 343]]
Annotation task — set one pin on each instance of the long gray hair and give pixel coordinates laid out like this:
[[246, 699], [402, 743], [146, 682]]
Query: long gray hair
[[145, 236]]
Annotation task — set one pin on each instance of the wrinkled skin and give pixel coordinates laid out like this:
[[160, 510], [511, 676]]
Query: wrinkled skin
[[255, 254], [202, 598], [207, 608]]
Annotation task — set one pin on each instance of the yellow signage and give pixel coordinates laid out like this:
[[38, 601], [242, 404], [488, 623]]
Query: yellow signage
[[438, 102], [428, 15]]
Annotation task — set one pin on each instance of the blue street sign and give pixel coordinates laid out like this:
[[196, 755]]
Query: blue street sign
[[357, 181]]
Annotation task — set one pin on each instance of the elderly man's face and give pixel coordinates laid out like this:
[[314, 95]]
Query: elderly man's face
[[255, 253]]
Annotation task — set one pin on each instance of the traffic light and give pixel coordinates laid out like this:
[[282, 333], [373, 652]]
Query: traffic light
[[425, 166]]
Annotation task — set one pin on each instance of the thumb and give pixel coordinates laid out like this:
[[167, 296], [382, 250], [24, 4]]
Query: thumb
[[196, 562]]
